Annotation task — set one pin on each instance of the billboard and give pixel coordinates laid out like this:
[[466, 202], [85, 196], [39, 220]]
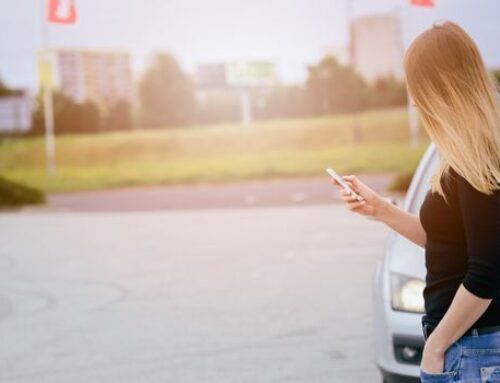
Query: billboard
[[250, 73], [236, 74]]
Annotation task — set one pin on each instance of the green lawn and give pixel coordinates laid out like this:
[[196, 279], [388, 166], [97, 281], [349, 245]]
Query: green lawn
[[278, 148]]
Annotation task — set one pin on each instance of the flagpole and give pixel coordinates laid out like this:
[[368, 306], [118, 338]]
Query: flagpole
[[48, 107], [412, 113], [356, 128]]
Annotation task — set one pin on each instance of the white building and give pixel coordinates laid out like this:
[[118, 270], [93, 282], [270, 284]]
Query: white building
[[377, 46], [100, 76], [15, 113]]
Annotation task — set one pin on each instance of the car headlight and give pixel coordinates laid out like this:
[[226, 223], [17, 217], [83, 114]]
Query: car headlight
[[407, 293]]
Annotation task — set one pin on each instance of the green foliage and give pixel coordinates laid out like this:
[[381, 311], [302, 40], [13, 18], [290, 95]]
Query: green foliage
[[402, 181], [218, 106], [118, 117], [69, 116], [14, 194], [496, 74], [334, 88], [277, 148], [387, 91], [166, 94], [331, 88], [282, 101], [167, 99], [5, 90], [86, 117]]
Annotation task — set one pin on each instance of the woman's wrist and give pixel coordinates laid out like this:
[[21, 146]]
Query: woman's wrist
[[436, 345], [383, 209]]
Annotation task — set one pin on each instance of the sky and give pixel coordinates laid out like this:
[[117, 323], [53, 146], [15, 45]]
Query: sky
[[292, 33]]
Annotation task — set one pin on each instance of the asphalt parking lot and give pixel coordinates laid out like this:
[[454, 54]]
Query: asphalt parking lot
[[267, 294]]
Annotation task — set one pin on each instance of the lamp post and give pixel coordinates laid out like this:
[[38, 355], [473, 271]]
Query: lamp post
[[356, 126], [46, 79]]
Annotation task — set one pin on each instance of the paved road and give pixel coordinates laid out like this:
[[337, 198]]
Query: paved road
[[218, 295], [257, 193]]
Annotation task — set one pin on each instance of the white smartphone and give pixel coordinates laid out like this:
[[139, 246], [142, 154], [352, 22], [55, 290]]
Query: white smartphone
[[341, 181]]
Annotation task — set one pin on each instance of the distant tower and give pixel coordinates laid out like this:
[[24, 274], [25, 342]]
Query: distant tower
[[377, 46]]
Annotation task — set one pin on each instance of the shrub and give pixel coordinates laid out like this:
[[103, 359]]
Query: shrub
[[14, 194], [402, 181]]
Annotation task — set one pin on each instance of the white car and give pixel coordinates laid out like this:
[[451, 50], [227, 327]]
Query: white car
[[397, 290]]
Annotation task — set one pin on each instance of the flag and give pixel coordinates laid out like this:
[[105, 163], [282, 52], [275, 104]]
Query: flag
[[61, 12], [423, 3]]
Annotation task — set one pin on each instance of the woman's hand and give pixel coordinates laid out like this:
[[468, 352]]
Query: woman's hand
[[373, 203], [432, 359]]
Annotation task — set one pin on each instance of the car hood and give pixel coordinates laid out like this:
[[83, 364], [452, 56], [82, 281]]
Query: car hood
[[405, 257]]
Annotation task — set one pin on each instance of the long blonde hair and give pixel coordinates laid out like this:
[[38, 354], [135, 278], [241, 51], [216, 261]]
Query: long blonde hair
[[459, 104]]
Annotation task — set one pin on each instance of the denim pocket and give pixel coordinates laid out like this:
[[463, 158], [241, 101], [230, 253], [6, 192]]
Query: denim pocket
[[490, 374], [440, 377], [452, 358]]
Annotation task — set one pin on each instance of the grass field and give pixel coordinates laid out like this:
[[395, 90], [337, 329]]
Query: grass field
[[278, 148]]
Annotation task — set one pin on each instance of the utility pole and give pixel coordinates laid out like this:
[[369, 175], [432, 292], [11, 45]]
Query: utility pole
[[413, 119], [356, 127], [246, 107], [47, 83]]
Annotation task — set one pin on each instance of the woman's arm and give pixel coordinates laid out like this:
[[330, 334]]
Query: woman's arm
[[464, 311], [406, 224]]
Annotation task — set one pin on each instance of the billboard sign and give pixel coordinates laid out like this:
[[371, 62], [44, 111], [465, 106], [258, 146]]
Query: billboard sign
[[236, 74], [250, 73]]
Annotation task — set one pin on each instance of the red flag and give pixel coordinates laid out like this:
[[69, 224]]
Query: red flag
[[62, 11], [423, 3]]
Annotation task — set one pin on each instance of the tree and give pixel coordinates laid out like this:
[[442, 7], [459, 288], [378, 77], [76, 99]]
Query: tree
[[166, 94], [282, 101], [5, 90], [388, 91], [333, 88], [496, 74], [218, 106], [69, 116], [118, 117]]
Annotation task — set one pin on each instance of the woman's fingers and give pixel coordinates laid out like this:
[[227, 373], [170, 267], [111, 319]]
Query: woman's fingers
[[333, 181], [355, 189], [351, 199], [355, 205], [347, 196], [355, 183], [348, 180], [361, 190]]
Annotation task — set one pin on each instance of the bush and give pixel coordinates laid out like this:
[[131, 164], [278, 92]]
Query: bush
[[69, 116], [402, 181], [14, 194]]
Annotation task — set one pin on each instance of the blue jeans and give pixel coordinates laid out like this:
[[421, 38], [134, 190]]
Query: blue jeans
[[472, 359]]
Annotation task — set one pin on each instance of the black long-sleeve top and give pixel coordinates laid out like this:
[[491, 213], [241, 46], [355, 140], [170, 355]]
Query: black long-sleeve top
[[462, 246]]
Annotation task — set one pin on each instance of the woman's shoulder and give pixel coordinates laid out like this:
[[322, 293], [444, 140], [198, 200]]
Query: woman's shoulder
[[467, 190], [454, 174], [449, 181]]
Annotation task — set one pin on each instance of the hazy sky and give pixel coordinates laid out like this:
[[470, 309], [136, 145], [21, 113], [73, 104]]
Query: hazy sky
[[293, 33]]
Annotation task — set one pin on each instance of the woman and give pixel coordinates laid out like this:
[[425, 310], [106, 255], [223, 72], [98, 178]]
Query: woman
[[459, 221]]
